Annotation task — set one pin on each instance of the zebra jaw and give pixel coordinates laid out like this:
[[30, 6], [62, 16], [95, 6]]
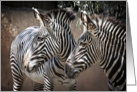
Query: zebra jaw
[[33, 67], [30, 70]]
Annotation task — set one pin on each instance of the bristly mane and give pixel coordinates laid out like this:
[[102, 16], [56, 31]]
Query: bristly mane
[[61, 15]]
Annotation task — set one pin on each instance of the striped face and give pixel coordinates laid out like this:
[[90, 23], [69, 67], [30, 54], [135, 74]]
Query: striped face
[[56, 23], [42, 49], [86, 51], [103, 40], [44, 45], [83, 55]]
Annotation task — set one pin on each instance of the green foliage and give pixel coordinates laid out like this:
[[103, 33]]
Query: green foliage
[[116, 9]]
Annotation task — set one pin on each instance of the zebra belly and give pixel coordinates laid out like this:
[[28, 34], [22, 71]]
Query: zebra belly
[[36, 77]]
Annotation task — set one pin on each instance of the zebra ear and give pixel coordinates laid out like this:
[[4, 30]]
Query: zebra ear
[[38, 16], [87, 22], [90, 25], [85, 18], [88, 19], [44, 21]]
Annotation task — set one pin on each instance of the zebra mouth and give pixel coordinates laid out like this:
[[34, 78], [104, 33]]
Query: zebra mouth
[[34, 69], [30, 70], [75, 75]]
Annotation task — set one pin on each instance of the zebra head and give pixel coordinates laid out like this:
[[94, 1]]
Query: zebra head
[[42, 49], [86, 51], [44, 20], [104, 41], [44, 45], [56, 23]]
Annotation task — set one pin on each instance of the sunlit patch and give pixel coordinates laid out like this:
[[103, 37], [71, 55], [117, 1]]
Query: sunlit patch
[[27, 57]]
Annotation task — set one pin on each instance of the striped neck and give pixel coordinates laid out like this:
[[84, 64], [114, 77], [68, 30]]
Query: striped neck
[[61, 20], [112, 37], [67, 44]]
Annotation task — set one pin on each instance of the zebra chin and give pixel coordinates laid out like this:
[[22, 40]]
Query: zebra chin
[[73, 75]]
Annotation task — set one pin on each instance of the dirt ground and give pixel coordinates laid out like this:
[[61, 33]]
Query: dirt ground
[[13, 21]]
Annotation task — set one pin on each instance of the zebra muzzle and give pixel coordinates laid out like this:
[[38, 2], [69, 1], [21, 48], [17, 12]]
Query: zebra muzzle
[[29, 68], [69, 71]]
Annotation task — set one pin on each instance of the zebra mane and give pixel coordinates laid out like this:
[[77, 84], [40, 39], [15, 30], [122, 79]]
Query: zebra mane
[[61, 15], [120, 30], [109, 19]]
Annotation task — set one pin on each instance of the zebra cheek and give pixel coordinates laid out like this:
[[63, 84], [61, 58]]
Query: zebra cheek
[[26, 59]]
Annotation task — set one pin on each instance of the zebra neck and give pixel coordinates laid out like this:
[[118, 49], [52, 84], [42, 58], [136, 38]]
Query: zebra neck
[[67, 45], [65, 38], [67, 48], [109, 47], [113, 57]]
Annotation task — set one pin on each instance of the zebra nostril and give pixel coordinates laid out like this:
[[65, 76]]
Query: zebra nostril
[[66, 69]]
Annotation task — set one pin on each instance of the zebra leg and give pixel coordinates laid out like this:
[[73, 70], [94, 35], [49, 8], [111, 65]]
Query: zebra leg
[[18, 76], [38, 87], [48, 83]]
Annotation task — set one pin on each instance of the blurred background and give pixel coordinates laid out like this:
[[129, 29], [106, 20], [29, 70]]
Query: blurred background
[[18, 15]]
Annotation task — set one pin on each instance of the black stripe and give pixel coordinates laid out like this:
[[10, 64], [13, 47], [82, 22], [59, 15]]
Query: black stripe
[[58, 65], [56, 73], [115, 68]]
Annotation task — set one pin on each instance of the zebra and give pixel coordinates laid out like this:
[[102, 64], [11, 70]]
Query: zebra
[[58, 21], [29, 37], [103, 40], [36, 46]]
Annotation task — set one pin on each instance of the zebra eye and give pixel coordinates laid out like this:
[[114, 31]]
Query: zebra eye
[[40, 38], [83, 43]]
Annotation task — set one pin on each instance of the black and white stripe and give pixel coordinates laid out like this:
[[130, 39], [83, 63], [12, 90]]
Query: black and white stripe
[[34, 46], [103, 41]]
